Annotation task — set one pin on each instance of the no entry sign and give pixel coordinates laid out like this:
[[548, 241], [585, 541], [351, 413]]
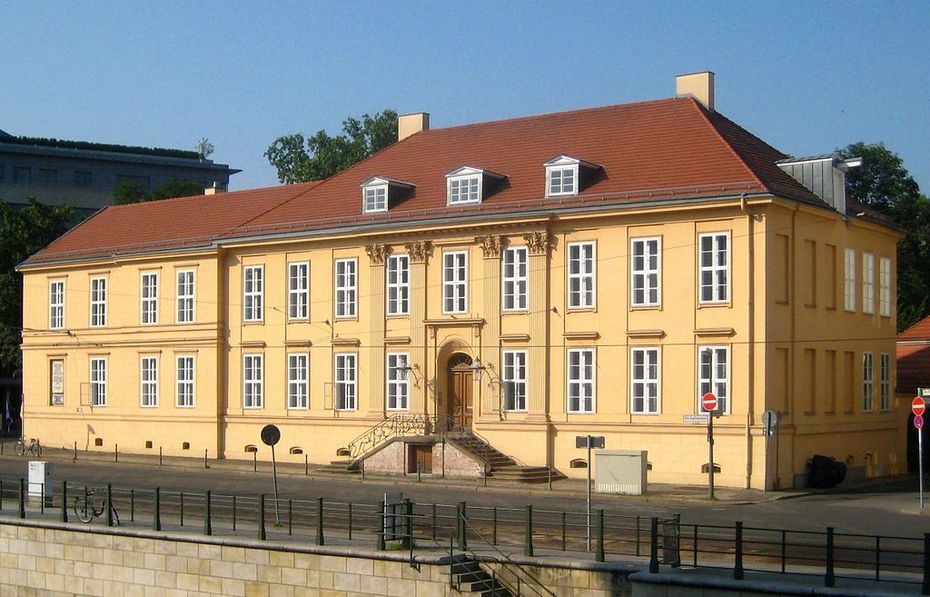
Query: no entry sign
[[918, 406], [709, 402]]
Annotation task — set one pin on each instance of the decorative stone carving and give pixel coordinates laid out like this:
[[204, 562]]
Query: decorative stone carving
[[538, 242], [490, 245], [419, 251], [378, 253]]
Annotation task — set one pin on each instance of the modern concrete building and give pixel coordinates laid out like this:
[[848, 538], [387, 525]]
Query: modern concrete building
[[86, 174], [473, 298]]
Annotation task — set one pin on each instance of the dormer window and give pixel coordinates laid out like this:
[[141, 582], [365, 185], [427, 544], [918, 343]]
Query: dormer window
[[563, 175], [379, 193], [376, 198], [468, 185]]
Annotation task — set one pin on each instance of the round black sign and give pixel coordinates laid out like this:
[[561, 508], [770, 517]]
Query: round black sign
[[270, 435]]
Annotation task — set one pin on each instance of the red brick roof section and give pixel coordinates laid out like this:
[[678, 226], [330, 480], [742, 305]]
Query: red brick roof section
[[918, 331]]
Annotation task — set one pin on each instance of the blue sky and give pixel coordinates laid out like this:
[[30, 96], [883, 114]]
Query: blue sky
[[805, 76]]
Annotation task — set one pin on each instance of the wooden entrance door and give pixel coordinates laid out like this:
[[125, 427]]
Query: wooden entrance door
[[460, 390]]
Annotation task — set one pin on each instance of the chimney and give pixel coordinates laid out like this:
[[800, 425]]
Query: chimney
[[213, 190], [409, 124], [700, 86]]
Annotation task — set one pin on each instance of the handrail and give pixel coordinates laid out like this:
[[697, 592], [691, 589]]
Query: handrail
[[394, 426]]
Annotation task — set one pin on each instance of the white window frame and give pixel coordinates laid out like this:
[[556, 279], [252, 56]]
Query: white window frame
[[148, 298], [515, 266], [884, 391], [185, 389], [375, 198], [397, 381], [849, 279], [148, 381], [713, 381], [397, 278], [586, 275], [515, 375], [868, 283], [642, 380], [56, 304], [298, 381], [298, 290], [643, 275], [346, 287], [98, 301], [576, 384], [464, 189], [185, 284], [719, 291], [884, 286], [253, 293], [253, 376], [345, 381], [868, 381], [455, 287], [555, 180], [98, 382]]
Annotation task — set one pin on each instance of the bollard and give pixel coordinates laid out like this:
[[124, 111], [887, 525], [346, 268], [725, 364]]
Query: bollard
[[255, 461], [159, 455], [261, 517], [829, 579], [319, 521], [115, 452], [306, 465], [108, 504], [75, 451], [207, 523], [599, 551], [528, 542], [460, 516], [64, 501], [381, 541], [156, 510], [22, 498], [205, 465], [926, 584], [738, 563], [654, 545]]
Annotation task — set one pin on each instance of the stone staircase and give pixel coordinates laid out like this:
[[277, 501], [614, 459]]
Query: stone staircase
[[340, 467], [472, 579], [500, 465]]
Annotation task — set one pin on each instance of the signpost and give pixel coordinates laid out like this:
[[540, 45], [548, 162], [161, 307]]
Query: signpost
[[709, 405], [589, 441], [919, 407], [769, 424], [270, 436]]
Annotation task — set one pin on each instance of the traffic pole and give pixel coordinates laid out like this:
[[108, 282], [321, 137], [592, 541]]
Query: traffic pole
[[710, 453], [588, 510], [920, 465]]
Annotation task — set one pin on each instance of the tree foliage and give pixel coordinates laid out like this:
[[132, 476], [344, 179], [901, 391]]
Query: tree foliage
[[130, 191], [23, 231], [301, 159], [883, 183]]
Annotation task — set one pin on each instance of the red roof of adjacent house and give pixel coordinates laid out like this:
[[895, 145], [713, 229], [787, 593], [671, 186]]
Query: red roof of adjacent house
[[913, 355], [649, 151]]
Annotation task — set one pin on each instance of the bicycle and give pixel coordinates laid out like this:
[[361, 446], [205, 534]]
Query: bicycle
[[91, 505], [34, 447]]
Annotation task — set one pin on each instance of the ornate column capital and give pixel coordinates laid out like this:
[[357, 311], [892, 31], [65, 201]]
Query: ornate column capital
[[538, 242], [491, 245], [378, 253], [419, 251]]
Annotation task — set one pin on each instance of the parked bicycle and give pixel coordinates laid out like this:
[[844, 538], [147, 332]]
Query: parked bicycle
[[34, 448], [92, 504]]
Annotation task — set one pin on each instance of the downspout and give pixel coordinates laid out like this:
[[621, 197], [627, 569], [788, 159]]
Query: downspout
[[750, 377]]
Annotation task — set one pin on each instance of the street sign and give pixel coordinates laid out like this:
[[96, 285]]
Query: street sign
[[925, 392], [918, 422], [597, 441], [709, 402], [270, 435], [918, 406], [696, 419], [769, 422]]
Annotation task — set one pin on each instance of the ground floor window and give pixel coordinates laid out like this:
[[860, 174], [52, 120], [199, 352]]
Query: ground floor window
[[345, 386], [185, 381], [581, 380], [514, 380], [714, 373], [252, 377], [98, 382], [297, 381], [398, 385], [644, 390]]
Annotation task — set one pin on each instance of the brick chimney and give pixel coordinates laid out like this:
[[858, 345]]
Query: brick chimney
[[409, 124], [214, 189], [700, 86]]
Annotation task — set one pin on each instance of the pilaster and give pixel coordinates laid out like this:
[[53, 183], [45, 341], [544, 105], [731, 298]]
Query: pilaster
[[538, 244], [491, 247], [420, 399], [375, 343]]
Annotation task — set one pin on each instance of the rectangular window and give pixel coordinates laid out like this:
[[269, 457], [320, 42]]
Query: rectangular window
[[345, 376], [715, 267], [868, 283], [398, 385], [185, 381], [298, 388], [376, 199], [714, 374], [252, 376], [253, 286], [884, 287], [562, 181], [298, 290], [98, 302], [398, 285], [464, 189], [185, 296], [98, 382], [346, 287], [884, 396], [867, 381], [515, 279], [148, 376], [849, 280], [833, 275], [581, 275], [149, 296], [645, 381], [514, 379], [56, 304], [581, 380], [646, 272], [57, 382], [454, 282]]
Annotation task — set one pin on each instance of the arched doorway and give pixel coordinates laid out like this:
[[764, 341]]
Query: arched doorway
[[461, 387]]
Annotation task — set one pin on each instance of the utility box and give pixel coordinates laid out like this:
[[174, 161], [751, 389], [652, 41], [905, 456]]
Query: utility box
[[40, 479], [620, 471]]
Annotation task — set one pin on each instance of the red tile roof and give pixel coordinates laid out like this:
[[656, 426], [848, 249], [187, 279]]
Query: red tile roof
[[913, 356], [918, 331], [664, 149]]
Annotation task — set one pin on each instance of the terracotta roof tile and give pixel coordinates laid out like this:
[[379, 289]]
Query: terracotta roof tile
[[918, 331]]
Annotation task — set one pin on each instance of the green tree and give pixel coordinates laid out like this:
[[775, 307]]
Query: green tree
[[301, 159], [23, 231], [883, 183], [130, 191]]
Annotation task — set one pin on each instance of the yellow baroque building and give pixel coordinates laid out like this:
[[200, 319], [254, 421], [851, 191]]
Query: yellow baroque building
[[472, 298]]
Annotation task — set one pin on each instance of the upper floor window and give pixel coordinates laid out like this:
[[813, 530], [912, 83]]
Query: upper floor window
[[298, 290], [849, 280], [581, 380], [298, 389], [464, 189], [345, 381], [515, 278], [398, 384], [454, 282], [646, 272], [252, 380], [562, 176], [379, 192], [148, 375], [867, 381], [98, 302], [714, 375], [149, 294], [884, 287], [56, 304], [514, 378], [714, 263], [185, 279], [346, 289], [185, 381], [645, 381], [376, 198], [253, 286], [868, 283], [398, 285], [581, 275], [98, 381]]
